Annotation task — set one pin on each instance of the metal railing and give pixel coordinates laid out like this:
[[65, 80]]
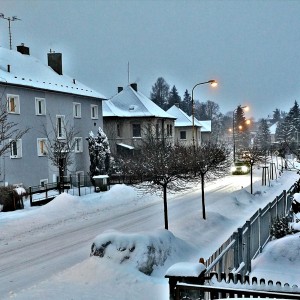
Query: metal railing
[[236, 253]]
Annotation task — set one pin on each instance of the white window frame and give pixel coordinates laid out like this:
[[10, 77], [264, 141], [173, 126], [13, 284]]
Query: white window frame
[[78, 145], [17, 148], [76, 110], [94, 111], [60, 127], [42, 151], [40, 106], [16, 109]]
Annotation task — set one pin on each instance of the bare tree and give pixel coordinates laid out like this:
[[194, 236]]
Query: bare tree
[[159, 164], [210, 161], [9, 131], [60, 146]]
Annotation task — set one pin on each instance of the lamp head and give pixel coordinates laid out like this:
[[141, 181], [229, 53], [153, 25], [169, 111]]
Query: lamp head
[[213, 83]]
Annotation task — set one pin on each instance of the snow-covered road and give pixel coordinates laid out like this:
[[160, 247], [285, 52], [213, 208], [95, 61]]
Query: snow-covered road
[[32, 253]]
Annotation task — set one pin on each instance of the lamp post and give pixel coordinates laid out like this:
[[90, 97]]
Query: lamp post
[[233, 129], [213, 83], [9, 19]]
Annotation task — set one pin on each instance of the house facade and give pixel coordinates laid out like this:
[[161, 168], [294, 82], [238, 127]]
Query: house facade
[[129, 116], [40, 97]]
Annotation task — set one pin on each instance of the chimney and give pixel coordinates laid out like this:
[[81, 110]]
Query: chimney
[[120, 89], [55, 62], [134, 86], [23, 49]]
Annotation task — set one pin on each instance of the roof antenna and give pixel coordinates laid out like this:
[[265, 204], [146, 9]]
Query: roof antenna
[[9, 19]]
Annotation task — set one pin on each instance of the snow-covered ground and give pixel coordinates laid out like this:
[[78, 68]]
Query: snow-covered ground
[[45, 251]]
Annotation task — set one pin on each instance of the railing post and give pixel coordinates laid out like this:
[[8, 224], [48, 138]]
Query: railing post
[[240, 243], [236, 249], [30, 195], [46, 187], [248, 247], [259, 229], [78, 184]]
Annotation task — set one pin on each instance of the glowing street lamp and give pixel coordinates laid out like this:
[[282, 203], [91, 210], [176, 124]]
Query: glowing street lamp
[[213, 83]]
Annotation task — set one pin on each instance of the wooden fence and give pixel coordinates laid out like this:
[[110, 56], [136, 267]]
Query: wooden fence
[[210, 286]]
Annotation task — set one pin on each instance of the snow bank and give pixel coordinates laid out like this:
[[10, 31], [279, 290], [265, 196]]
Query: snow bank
[[144, 251]]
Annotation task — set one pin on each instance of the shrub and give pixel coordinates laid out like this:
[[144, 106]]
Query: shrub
[[9, 199], [280, 227]]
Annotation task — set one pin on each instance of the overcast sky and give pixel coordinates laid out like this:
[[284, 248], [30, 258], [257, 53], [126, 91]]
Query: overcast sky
[[251, 47]]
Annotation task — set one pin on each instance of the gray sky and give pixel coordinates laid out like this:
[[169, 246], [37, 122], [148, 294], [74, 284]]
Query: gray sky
[[251, 47]]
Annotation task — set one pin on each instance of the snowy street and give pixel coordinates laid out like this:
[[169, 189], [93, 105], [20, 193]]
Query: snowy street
[[37, 243]]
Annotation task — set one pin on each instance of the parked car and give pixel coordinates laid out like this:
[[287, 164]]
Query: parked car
[[240, 168]]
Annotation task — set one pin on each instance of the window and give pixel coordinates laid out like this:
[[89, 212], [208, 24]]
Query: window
[[183, 135], [76, 110], [94, 111], [169, 130], [13, 104], [78, 144], [136, 130], [40, 106], [60, 127], [16, 148], [42, 147], [119, 130]]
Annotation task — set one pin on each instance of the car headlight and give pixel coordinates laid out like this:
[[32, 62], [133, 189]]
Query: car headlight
[[244, 169], [233, 169]]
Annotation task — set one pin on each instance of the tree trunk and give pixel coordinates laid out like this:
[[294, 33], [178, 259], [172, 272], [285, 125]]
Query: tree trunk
[[165, 205], [203, 197]]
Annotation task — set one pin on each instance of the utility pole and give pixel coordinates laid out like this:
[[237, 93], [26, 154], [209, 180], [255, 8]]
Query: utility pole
[[9, 19]]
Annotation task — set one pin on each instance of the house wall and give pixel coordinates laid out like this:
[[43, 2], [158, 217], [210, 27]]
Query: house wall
[[189, 135], [31, 168], [110, 129]]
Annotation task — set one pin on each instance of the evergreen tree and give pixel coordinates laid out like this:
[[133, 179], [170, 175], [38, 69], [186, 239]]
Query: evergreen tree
[[99, 152], [186, 104], [262, 139], [276, 115], [160, 93], [173, 98], [242, 134]]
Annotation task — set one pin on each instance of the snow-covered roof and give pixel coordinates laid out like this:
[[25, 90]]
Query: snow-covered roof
[[182, 119], [273, 128], [132, 103], [28, 71], [206, 126]]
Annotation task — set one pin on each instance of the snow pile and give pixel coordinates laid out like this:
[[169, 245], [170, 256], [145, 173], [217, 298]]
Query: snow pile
[[144, 251]]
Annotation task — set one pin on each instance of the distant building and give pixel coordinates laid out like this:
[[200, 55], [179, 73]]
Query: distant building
[[184, 127], [129, 116], [39, 94]]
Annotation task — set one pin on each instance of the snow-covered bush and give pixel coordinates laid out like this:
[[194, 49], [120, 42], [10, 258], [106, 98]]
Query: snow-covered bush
[[280, 227], [145, 251], [11, 198], [99, 152]]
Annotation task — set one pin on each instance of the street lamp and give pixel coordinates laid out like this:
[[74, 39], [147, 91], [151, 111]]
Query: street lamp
[[213, 83], [9, 19], [233, 128]]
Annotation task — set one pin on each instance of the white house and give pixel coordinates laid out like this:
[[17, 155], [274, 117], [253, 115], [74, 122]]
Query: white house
[[184, 127], [37, 96]]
